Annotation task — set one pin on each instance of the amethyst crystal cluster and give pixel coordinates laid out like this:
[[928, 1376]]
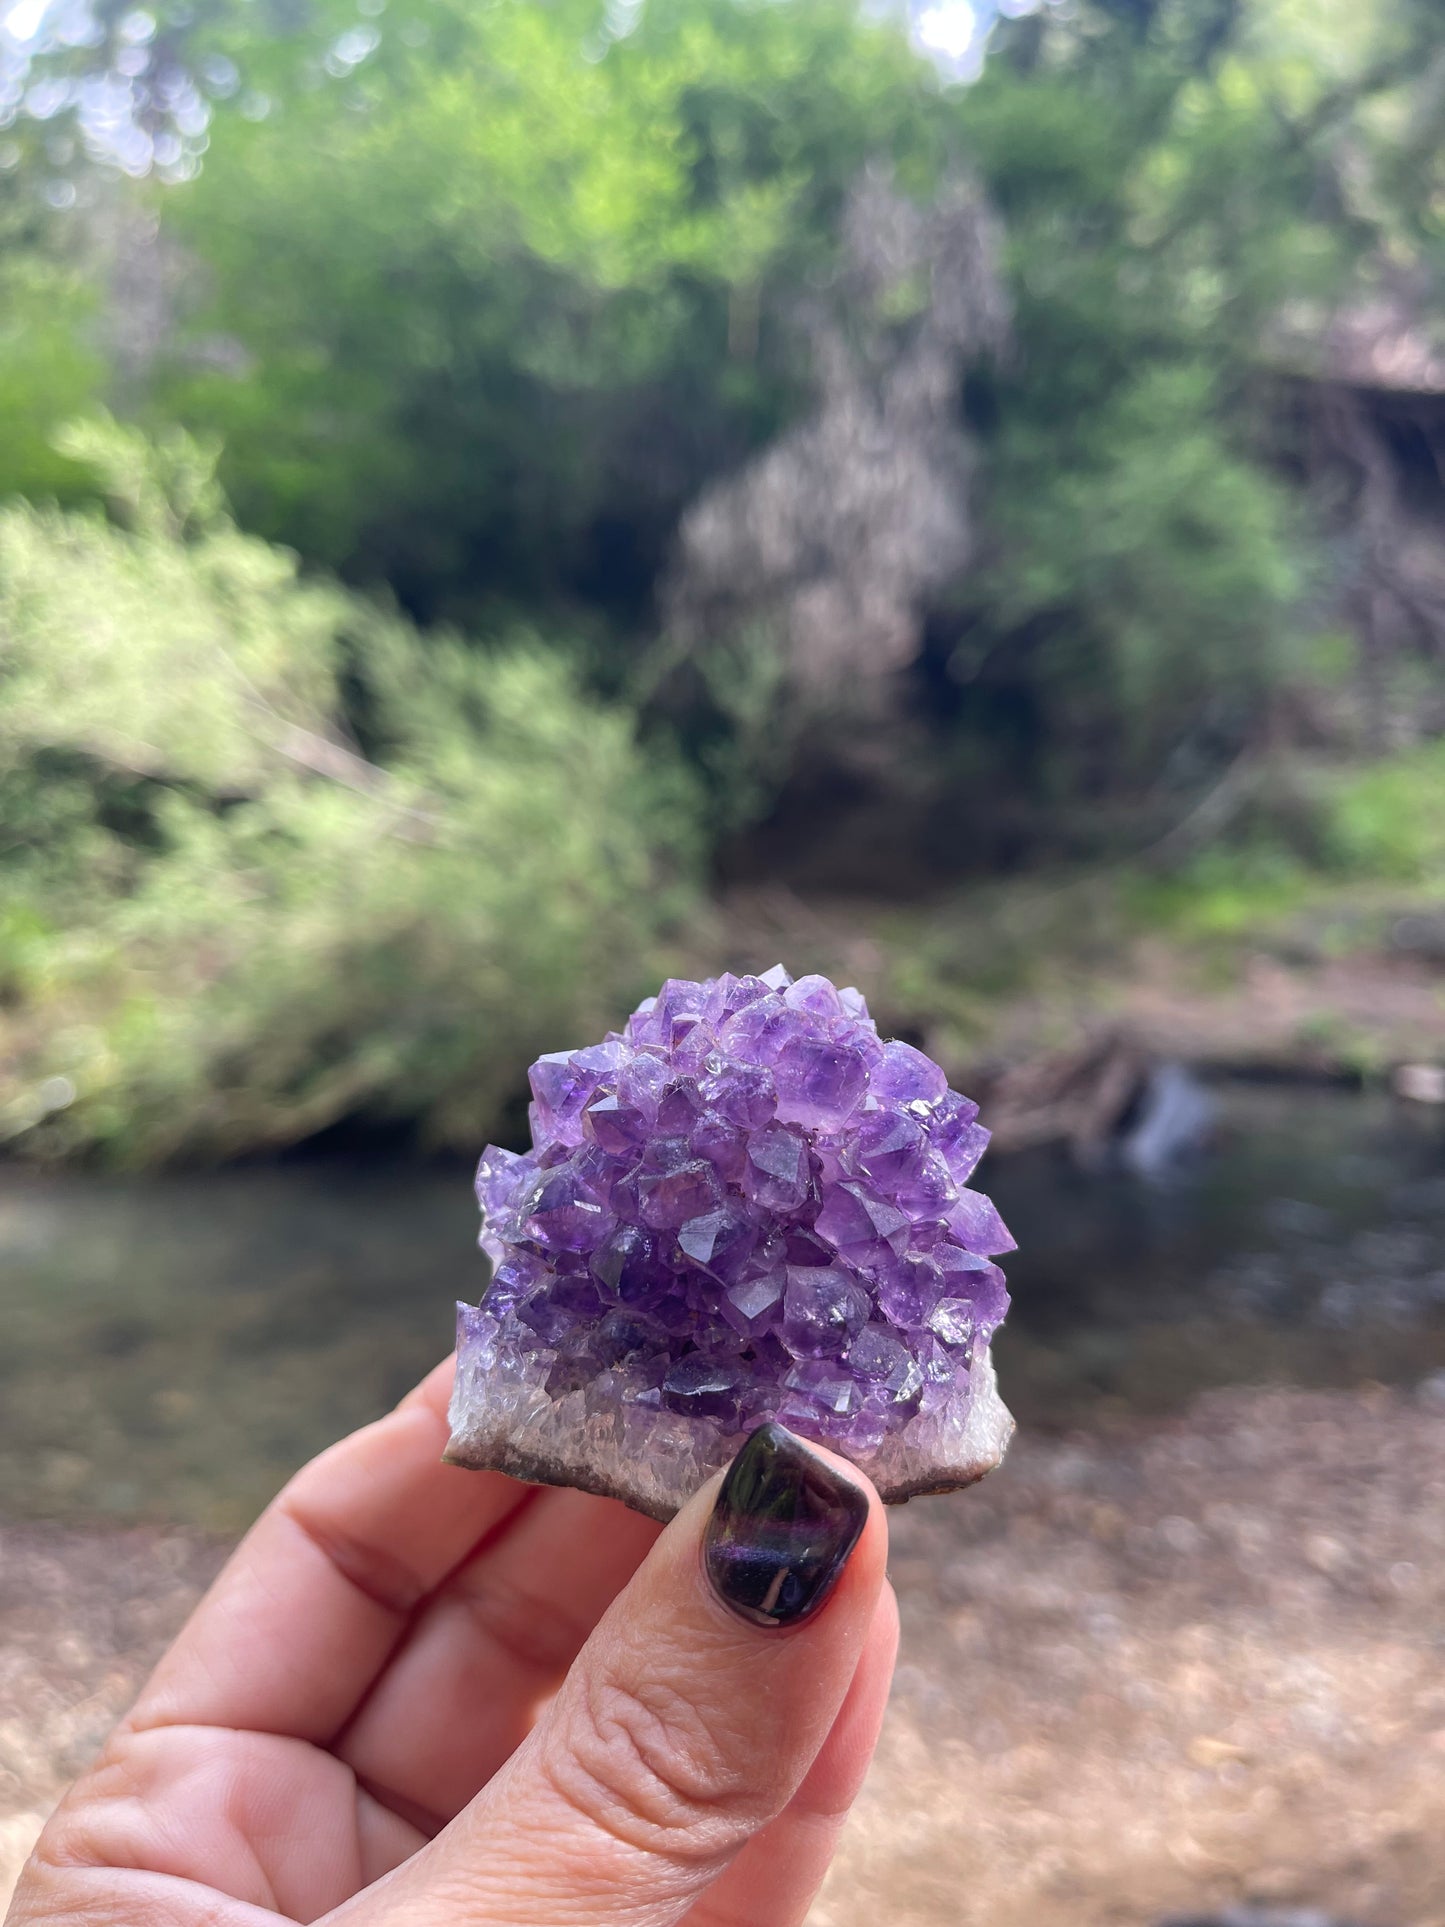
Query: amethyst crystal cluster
[[746, 1206]]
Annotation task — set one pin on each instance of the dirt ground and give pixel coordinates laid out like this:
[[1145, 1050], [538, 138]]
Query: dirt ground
[[1146, 1671], [1198, 1663]]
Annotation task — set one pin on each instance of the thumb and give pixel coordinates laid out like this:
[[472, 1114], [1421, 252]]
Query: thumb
[[688, 1722]]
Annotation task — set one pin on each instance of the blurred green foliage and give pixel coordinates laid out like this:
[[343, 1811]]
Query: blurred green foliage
[[1144, 594], [50, 366], [1360, 841], [493, 292], [483, 296], [1388, 820], [465, 304], [1172, 177], [226, 924]]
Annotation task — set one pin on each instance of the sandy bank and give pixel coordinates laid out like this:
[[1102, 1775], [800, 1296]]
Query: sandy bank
[[1193, 1661]]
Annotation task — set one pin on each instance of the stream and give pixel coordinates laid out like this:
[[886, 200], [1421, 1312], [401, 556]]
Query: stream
[[171, 1347]]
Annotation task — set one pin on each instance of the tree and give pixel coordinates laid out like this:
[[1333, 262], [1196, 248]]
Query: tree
[[499, 292], [486, 300], [1173, 180]]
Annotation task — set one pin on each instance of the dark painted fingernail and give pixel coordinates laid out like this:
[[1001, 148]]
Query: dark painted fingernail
[[781, 1531]]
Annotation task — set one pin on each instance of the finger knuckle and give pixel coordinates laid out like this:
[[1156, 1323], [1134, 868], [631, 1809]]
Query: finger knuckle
[[651, 1768], [533, 1632]]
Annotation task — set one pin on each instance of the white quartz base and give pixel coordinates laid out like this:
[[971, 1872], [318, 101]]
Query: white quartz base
[[503, 1419]]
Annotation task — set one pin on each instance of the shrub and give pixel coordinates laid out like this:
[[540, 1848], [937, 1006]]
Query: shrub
[[1388, 819], [275, 858]]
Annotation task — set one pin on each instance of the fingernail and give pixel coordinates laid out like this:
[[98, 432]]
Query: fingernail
[[781, 1531]]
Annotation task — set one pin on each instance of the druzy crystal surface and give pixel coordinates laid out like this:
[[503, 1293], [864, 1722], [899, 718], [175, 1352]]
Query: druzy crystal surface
[[745, 1206]]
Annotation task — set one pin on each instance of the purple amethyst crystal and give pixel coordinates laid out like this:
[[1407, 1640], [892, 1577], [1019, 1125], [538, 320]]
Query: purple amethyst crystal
[[747, 1206]]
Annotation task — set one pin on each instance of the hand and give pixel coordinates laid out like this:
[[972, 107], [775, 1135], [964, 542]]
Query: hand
[[426, 1696]]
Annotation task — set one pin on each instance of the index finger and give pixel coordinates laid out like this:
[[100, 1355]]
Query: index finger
[[310, 1605]]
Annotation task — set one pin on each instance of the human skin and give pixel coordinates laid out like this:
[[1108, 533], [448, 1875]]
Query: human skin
[[423, 1695]]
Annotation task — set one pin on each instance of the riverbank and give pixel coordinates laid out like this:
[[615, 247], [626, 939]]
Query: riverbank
[[1038, 993], [1149, 1666], [1046, 996]]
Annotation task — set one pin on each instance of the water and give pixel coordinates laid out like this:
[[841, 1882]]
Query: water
[[173, 1346], [1307, 1248]]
